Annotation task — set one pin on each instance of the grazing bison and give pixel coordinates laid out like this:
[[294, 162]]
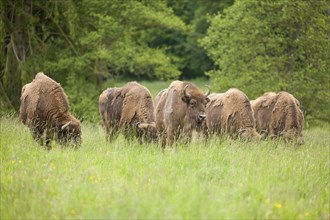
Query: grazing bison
[[180, 108], [45, 109], [231, 114], [129, 108], [279, 114]]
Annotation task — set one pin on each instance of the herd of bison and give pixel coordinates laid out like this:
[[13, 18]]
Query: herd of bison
[[176, 112]]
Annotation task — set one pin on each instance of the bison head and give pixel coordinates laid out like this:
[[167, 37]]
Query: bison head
[[248, 134], [147, 131], [70, 132], [196, 103], [293, 135]]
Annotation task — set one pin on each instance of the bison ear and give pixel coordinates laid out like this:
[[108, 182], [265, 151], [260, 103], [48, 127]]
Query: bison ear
[[65, 125], [207, 99]]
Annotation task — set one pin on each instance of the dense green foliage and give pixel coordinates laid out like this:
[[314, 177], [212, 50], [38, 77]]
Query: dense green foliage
[[83, 42], [223, 180], [261, 46], [191, 57], [88, 45]]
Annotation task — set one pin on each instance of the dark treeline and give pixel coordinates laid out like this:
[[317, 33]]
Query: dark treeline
[[256, 46]]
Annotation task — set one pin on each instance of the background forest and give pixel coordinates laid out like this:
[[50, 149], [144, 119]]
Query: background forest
[[89, 45]]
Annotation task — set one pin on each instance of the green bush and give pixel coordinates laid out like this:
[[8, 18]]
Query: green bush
[[261, 46]]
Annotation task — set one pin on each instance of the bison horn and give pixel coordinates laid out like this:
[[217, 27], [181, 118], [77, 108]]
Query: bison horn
[[208, 90], [142, 125], [185, 93], [66, 125], [241, 130]]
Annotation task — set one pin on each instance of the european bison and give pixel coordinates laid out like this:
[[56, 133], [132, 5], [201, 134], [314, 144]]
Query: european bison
[[180, 108], [231, 114], [279, 114], [129, 108], [45, 109]]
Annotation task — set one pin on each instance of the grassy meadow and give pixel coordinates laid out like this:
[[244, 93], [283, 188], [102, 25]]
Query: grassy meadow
[[223, 179]]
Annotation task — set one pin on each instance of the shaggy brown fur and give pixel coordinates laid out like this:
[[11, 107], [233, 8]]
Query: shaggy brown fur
[[279, 115], [110, 107], [159, 113], [181, 112], [230, 113], [45, 107], [124, 108]]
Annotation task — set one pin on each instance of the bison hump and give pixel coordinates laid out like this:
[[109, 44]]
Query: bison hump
[[47, 94]]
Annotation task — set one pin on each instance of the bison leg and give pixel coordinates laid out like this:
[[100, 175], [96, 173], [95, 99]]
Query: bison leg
[[106, 130], [206, 136], [49, 135], [161, 135], [170, 136], [162, 138], [112, 133], [112, 136], [37, 133], [187, 134], [129, 132]]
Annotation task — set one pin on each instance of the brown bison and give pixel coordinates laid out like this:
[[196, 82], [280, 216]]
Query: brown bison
[[45, 109], [279, 114], [231, 114], [180, 108], [129, 108]]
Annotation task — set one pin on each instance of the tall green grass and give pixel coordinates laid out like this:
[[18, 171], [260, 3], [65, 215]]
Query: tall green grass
[[222, 179]]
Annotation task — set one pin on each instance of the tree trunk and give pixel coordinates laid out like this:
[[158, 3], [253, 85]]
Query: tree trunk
[[17, 15]]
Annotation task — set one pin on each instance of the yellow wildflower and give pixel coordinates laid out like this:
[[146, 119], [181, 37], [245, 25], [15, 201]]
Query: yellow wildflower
[[278, 205]]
